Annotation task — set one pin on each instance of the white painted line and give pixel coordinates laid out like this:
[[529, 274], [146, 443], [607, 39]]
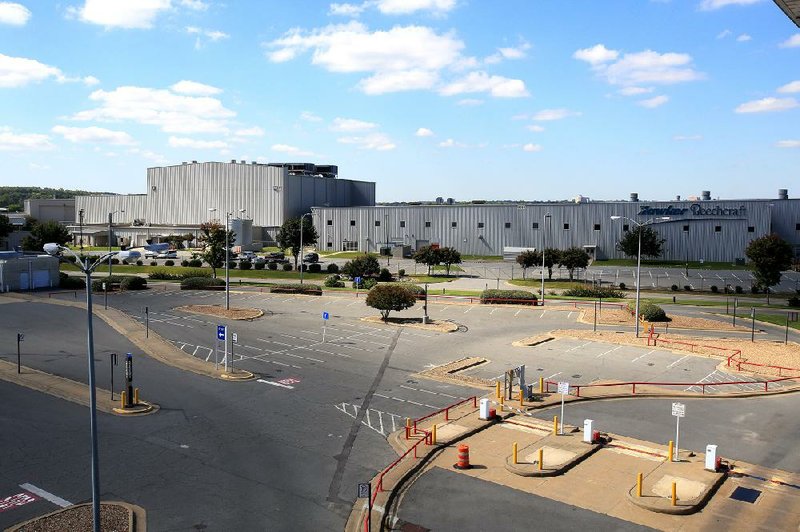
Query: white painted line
[[517, 313], [380, 418], [679, 360], [414, 402], [553, 375], [542, 314], [570, 315], [398, 399], [58, 501], [280, 363], [279, 385], [431, 406], [447, 395], [428, 391], [644, 355], [493, 311], [609, 351], [409, 387], [315, 359], [380, 395]]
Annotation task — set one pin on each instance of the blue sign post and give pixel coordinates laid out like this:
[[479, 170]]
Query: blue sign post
[[220, 332], [357, 280], [325, 317]]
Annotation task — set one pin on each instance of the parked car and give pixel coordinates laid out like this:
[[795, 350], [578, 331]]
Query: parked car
[[275, 256], [311, 257], [167, 255], [247, 255], [149, 254]]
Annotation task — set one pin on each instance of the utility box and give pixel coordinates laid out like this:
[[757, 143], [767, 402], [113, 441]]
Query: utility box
[[484, 409], [588, 432], [711, 457]]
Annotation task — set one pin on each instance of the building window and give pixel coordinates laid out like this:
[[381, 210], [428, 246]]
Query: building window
[[717, 228], [330, 222], [427, 224], [352, 222], [566, 227], [797, 227], [508, 225], [377, 223], [349, 245], [453, 224], [402, 223], [330, 245], [686, 228], [596, 227], [535, 225], [480, 225], [625, 227], [751, 229]]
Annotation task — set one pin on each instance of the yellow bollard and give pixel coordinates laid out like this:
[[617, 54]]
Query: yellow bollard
[[671, 450], [514, 452], [555, 425], [541, 459], [541, 384], [674, 494], [433, 435], [122, 399], [521, 399], [136, 396], [497, 389], [639, 485], [408, 427]]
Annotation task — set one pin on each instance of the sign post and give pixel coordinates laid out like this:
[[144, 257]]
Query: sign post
[[563, 389], [753, 325], [679, 411], [220, 337], [325, 317], [105, 286], [129, 380], [357, 280], [147, 322], [21, 337], [112, 363], [364, 489], [234, 340]]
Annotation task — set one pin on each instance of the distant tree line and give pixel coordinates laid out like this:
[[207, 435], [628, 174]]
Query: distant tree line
[[13, 198]]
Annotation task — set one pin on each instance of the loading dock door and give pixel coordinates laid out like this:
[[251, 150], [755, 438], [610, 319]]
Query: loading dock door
[[24, 281], [41, 278], [422, 243]]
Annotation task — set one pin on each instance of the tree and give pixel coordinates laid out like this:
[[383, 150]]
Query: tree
[[390, 297], [212, 239], [448, 257], [288, 236], [573, 258], [428, 256], [43, 233], [5, 226], [770, 256], [528, 258], [552, 257], [652, 244], [364, 266]]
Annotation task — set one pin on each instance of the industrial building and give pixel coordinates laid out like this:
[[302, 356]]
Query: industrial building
[[695, 229], [259, 198], [27, 272]]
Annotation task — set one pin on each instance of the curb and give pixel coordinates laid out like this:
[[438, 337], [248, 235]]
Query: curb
[[240, 375], [142, 408], [137, 516], [529, 472], [664, 506]]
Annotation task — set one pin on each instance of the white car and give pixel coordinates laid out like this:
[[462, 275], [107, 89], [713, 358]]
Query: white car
[[149, 254], [167, 255]]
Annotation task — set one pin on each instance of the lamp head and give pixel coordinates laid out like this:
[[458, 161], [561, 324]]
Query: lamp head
[[52, 248], [616, 217], [664, 218]]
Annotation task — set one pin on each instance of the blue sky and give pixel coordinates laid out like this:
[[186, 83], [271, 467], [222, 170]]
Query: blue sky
[[470, 99]]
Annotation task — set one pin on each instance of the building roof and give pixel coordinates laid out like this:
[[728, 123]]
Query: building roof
[[792, 9]]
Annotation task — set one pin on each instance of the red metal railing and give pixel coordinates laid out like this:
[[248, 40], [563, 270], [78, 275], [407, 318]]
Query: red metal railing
[[701, 385]]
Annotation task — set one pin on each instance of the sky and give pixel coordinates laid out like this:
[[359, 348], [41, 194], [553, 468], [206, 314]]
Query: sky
[[469, 99]]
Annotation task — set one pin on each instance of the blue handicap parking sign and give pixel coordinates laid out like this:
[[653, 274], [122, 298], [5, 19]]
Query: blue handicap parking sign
[[325, 316], [357, 281], [220, 332]]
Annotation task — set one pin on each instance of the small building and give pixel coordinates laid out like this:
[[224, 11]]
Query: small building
[[20, 272]]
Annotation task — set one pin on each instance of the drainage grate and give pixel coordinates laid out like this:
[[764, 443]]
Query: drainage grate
[[745, 494]]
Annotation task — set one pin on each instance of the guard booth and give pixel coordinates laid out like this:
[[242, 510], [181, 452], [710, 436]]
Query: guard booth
[[20, 272]]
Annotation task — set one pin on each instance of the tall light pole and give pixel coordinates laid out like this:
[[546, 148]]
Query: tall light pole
[[56, 250], [110, 221], [639, 258], [80, 224], [544, 242], [301, 243]]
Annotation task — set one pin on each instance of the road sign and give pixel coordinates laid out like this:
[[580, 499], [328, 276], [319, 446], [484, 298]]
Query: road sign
[[234, 337], [357, 281], [325, 315], [363, 490], [563, 388], [678, 409], [220, 332], [20, 337]]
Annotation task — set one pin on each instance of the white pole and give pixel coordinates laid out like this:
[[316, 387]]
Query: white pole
[[226, 349], [561, 428], [638, 277], [323, 332], [677, 440], [216, 355]]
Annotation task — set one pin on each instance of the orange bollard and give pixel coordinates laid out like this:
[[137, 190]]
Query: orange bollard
[[497, 389], [639, 485], [541, 459], [674, 494], [463, 457], [514, 452], [433, 435], [136, 396], [521, 399], [122, 399]]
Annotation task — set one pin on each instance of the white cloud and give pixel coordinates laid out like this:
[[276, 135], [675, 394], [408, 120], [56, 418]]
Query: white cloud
[[788, 144], [650, 67], [469, 102], [724, 33], [194, 88], [535, 128], [791, 42], [530, 147], [743, 38], [254, 131], [14, 14], [346, 10], [406, 80], [450, 143], [405, 7], [765, 105], [424, 132], [792, 87], [10, 141], [710, 5], [38, 166], [94, 134], [497, 86], [196, 5], [372, 141], [291, 150], [635, 91], [201, 33], [349, 125], [681, 138], [90, 81], [149, 155], [196, 144], [19, 71], [512, 53], [652, 103], [548, 115], [310, 117], [596, 55], [172, 112], [121, 13]]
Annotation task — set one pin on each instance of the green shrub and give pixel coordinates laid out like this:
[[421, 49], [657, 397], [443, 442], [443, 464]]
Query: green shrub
[[508, 297], [401, 272], [184, 263], [125, 262], [714, 288], [245, 265], [794, 302], [415, 289], [674, 288], [302, 267], [754, 289], [114, 281], [334, 281], [687, 287], [258, 265], [738, 289], [231, 265], [307, 289], [593, 293], [69, 282], [195, 263], [169, 262], [114, 260], [287, 267], [649, 311], [315, 267], [622, 286], [72, 259], [133, 283], [385, 275], [153, 263], [201, 283], [366, 283], [162, 274], [332, 268], [389, 297], [272, 266]]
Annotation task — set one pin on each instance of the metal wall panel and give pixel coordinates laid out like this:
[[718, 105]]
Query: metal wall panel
[[96, 208]]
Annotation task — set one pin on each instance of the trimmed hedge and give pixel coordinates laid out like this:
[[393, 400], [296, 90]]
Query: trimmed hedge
[[272, 266], [162, 274], [69, 282], [649, 311], [366, 283], [794, 302], [195, 263], [245, 265], [385, 275], [307, 289], [334, 281], [593, 292], [184, 263], [332, 268], [202, 283], [116, 281], [315, 267], [169, 262], [133, 283], [287, 267], [259, 265], [508, 297]]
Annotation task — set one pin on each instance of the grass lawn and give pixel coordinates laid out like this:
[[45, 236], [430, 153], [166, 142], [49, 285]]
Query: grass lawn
[[547, 284], [246, 274], [775, 319], [347, 254], [432, 278], [483, 258], [77, 249], [442, 268], [631, 263]]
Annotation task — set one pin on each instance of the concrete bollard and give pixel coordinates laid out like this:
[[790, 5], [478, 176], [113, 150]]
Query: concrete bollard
[[514, 452], [674, 494], [541, 459], [639, 485]]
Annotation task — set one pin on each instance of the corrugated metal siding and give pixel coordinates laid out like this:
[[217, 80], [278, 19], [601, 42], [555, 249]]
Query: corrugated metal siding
[[96, 208]]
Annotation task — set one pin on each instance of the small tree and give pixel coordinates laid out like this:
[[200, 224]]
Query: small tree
[[573, 258], [288, 236], [448, 257], [213, 242], [527, 259], [390, 297], [652, 244], [552, 257], [428, 256], [5, 226], [364, 266], [43, 233], [770, 256]]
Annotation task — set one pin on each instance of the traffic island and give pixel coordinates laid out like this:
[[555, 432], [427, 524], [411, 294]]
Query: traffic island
[[237, 375], [416, 323], [552, 455], [678, 488], [117, 516], [219, 312], [139, 409]]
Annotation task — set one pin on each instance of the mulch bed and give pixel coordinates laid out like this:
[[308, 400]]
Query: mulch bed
[[220, 312]]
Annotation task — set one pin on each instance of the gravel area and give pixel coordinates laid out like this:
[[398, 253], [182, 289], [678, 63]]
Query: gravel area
[[432, 325], [216, 310], [451, 372], [113, 518], [614, 316]]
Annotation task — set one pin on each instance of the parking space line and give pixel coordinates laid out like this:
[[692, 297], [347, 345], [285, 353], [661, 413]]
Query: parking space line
[[609, 351], [553, 375], [644, 355], [679, 360], [58, 501]]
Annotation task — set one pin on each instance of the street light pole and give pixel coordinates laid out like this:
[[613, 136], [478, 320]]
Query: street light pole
[[301, 244], [544, 244], [110, 221], [227, 264]]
